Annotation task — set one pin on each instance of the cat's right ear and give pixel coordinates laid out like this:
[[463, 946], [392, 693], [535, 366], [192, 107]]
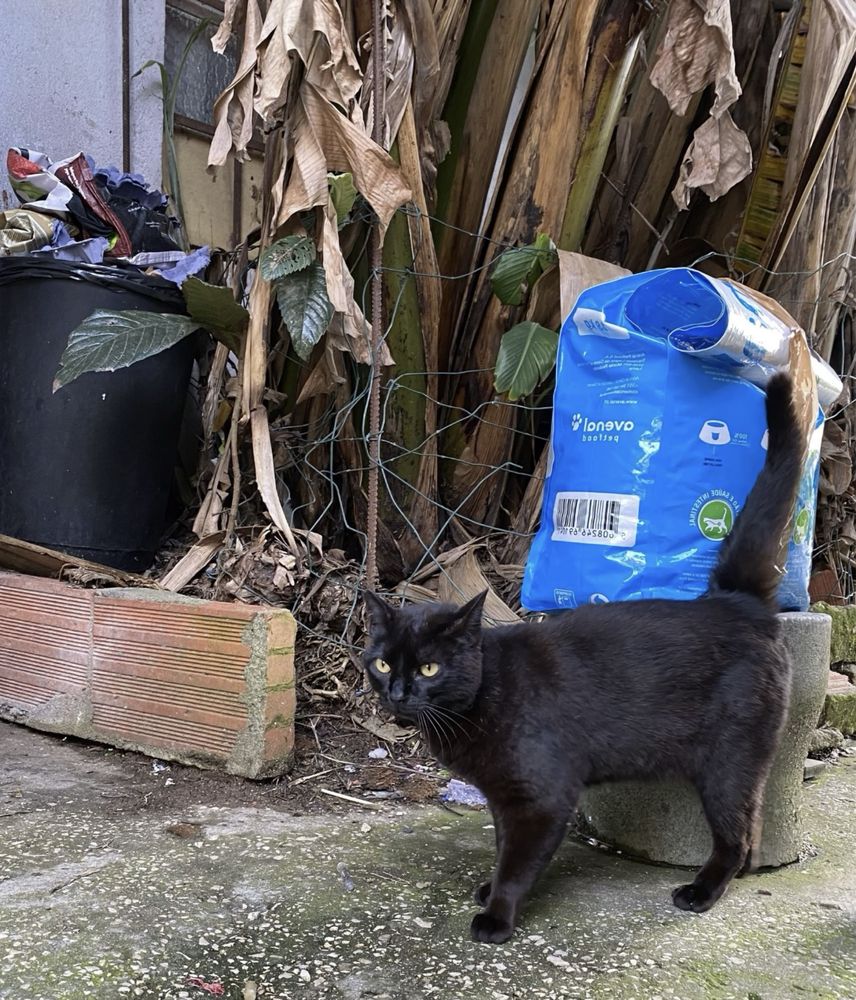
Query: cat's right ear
[[379, 611]]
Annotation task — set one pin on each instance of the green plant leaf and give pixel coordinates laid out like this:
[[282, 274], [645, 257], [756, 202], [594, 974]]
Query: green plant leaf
[[527, 353], [517, 268], [215, 308], [343, 194], [306, 310], [108, 340], [286, 256]]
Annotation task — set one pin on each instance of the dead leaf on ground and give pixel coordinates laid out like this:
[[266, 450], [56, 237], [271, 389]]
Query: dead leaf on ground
[[193, 562], [387, 731], [463, 580]]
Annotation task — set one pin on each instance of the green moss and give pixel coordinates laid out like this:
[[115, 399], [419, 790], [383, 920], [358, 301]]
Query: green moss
[[839, 712], [843, 647]]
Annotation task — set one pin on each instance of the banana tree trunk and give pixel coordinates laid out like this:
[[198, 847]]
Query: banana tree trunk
[[570, 72], [492, 53]]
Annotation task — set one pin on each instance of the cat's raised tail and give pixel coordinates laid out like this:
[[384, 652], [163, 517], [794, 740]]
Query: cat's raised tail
[[751, 558]]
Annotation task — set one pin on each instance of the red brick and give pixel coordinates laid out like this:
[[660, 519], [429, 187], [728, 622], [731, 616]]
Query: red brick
[[204, 682]]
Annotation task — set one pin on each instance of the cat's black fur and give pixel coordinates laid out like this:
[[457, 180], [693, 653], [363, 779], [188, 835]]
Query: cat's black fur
[[532, 713]]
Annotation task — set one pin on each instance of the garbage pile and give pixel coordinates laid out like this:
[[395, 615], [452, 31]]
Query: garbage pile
[[74, 211]]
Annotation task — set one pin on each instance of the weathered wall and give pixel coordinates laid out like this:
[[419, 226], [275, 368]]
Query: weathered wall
[[61, 81]]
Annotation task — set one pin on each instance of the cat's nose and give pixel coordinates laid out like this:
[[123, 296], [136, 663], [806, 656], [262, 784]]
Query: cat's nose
[[396, 690]]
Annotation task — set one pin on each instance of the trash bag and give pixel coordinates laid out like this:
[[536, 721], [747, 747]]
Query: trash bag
[[659, 432]]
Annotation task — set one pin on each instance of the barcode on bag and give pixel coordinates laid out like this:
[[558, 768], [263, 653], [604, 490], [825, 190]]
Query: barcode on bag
[[596, 518]]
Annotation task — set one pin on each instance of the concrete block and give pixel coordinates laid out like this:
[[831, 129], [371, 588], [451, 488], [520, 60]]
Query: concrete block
[[664, 822], [842, 647], [839, 709], [202, 682]]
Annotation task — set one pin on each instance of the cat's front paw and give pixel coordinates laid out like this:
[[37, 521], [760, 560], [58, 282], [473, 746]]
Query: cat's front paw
[[692, 897], [482, 893], [493, 930]]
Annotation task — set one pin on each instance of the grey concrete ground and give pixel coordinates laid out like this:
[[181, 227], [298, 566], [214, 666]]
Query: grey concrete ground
[[110, 888]]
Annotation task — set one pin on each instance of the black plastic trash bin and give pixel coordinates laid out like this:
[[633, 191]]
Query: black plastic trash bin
[[87, 469]]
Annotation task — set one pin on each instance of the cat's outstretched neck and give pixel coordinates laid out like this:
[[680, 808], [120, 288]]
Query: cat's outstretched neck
[[751, 557]]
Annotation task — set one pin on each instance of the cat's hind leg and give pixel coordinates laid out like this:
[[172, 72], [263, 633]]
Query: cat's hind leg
[[732, 802]]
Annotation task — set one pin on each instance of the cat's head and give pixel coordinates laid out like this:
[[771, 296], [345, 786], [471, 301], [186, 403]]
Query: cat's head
[[424, 655]]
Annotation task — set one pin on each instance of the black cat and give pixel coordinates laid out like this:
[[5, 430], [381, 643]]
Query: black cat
[[532, 713]]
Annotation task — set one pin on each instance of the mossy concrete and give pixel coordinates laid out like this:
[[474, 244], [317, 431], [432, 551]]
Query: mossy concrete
[[843, 640], [839, 711], [100, 899]]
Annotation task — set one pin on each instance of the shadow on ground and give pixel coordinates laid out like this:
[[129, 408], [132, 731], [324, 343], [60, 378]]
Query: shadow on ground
[[108, 889]]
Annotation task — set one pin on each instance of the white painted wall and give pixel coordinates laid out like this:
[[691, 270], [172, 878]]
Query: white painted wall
[[61, 81]]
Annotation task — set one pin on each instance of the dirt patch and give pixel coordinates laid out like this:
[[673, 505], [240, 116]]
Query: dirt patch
[[337, 762]]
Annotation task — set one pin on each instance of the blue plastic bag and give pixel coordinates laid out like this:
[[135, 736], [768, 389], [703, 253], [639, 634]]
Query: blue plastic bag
[[659, 432]]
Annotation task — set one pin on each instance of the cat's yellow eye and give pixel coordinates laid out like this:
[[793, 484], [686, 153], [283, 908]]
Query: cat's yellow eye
[[429, 669], [381, 666]]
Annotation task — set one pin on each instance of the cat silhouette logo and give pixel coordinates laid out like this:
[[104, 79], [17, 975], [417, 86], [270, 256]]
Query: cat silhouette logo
[[714, 432], [576, 420], [801, 525], [715, 520], [598, 599], [765, 440]]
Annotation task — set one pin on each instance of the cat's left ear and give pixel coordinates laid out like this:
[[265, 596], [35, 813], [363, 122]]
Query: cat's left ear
[[379, 610], [469, 615]]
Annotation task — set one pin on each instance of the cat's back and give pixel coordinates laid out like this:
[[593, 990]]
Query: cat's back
[[706, 631]]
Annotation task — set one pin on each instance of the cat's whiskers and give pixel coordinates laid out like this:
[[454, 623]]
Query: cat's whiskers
[[430, 728], [439, 726], [460, 722]]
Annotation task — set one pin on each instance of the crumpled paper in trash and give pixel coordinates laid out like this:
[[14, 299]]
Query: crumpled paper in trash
[[22, 231]]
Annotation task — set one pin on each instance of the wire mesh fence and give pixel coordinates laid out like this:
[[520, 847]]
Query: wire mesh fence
[[326, 456]]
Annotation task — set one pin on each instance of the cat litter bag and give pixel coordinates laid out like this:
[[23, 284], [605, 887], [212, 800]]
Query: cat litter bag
[[659, 432]]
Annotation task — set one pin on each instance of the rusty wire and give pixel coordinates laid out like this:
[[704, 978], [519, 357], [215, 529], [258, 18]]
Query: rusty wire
[[379, 94]]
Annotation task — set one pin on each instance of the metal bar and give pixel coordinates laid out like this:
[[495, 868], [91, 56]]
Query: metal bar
[[379, 94], [126, 85], [204, 130], [198, 8]]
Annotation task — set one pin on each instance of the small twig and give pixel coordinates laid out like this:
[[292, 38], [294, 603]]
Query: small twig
[[72, 880], [235, 458], [321, 693], [383, 762], [309, 777], [313, 723], [350, 798], [651, 226]]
